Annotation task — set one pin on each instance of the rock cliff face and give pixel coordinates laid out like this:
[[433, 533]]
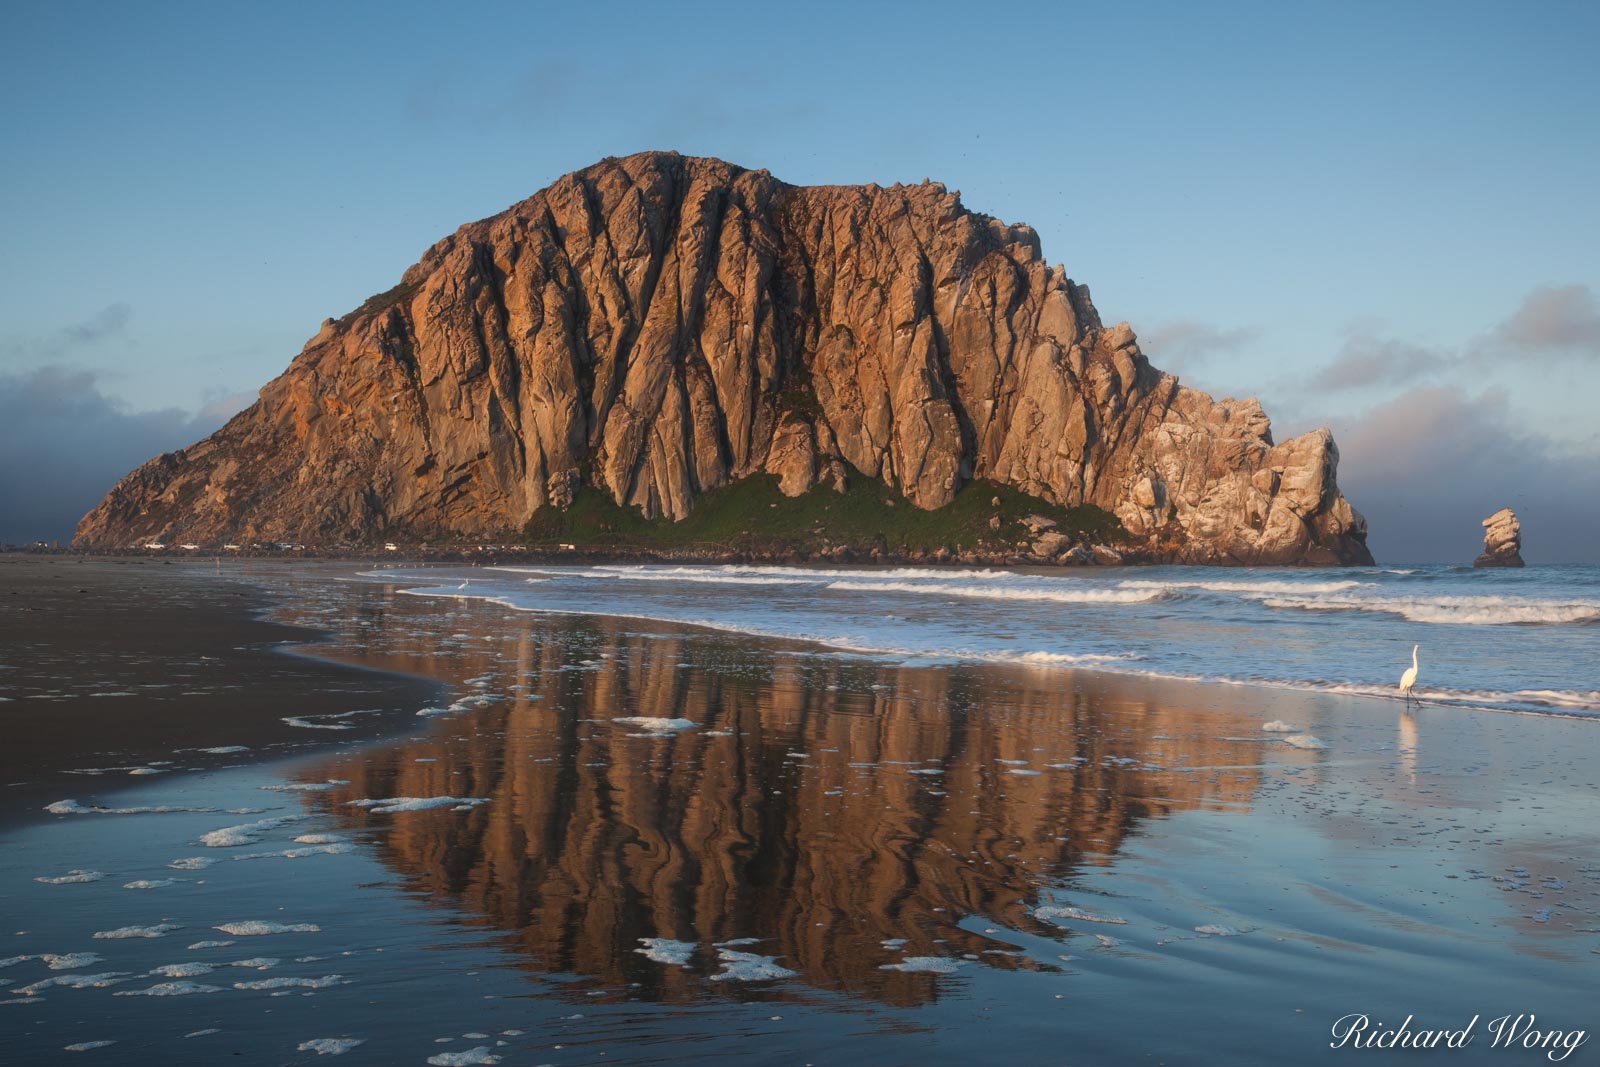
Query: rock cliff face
[[1502, 541], [658, 326]]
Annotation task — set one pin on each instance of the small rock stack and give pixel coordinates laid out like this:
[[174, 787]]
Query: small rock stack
[[1502, 541]]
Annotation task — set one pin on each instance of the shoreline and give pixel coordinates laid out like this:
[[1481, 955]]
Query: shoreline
[[1090, 558], [894, 656], [1546, 703], [316, 647]]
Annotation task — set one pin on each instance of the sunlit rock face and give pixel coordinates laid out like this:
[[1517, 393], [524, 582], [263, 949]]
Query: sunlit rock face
[[659, 326], [792, 811]]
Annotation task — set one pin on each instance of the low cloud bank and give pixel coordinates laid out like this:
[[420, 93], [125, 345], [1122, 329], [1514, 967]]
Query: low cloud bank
[[1428, 466], [64, 443]]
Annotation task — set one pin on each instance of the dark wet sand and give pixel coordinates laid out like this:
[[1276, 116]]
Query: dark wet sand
[[113, 664]]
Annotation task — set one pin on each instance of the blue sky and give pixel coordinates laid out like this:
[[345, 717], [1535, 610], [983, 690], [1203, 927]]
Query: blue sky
[[1376, 216]]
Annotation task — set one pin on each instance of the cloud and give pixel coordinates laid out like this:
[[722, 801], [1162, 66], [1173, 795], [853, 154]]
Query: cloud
[[1367, 359], [1552, 323], [1427, 467], [1190, 339], [64, 443], [1182, 346], [110, 321], [452, 93], [1552, 319], [693, 114], [222, 406]]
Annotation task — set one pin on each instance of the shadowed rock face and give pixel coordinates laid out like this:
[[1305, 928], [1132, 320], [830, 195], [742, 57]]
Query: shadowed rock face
[[658, 326]]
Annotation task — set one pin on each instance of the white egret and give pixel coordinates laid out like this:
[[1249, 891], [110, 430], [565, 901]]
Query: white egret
[[1409, 679]]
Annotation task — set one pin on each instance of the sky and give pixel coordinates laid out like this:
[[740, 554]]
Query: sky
[[1376, 217]]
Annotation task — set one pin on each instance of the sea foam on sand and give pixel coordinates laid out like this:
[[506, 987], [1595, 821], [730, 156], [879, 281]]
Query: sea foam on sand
[[472, 1057], [73, 876], [122, 933], [170, 989], [655, 727], [749, 967], [924, 965], [76, 981], [1052, 913], [305, 722], [67, 961], [395, 805], [335, 849], [260, 928], [292, 983], [245, 833], [72, 807], [331, 1046], [259, 963], [665, 950], [1218, 930]]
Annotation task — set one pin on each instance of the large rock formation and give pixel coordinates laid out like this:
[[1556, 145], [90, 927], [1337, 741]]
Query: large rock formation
[[1502, 541], [658, 326]]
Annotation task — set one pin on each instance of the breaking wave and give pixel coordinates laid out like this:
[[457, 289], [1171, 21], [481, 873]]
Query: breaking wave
[[1450, 610], [1248, 587], [735, 574], [1065, 594]]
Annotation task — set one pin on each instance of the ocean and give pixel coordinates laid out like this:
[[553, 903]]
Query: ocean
[[1495, 640]]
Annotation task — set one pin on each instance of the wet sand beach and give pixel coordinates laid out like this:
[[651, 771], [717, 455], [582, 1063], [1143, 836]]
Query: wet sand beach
[[112, 670], [613, 840]]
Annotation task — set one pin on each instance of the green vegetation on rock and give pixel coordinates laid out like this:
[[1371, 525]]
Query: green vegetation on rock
[[753, 515]]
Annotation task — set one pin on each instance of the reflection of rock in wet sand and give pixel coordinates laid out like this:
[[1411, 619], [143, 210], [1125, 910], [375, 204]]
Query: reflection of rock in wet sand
[[1406, 746], [801, 810]]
